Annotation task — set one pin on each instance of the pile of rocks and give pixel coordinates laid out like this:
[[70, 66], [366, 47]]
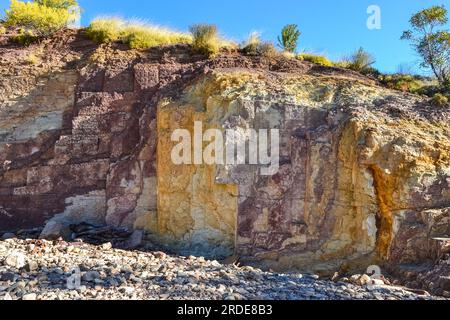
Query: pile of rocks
[[435, 279], [60, 270]]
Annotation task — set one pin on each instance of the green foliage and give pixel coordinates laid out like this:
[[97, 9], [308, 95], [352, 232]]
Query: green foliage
[[105, 30], [143, 36], [32, 59], [251, 46], [137, 34], [25, 37], [39, 19], [255, 47], [359, 61], [2, 30], [371, 72], [317, 59], [289, 38], [267, 50], [432, 45], [342, 64], [439, 100], [406, 83], [205, 39], [58, 4]]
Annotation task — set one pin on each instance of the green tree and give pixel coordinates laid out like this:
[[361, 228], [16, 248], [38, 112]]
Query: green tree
[[289, 38], [431, 42], [58, 4], [38, 18]]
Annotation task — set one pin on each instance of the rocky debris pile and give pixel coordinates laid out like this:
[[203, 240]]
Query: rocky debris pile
[[89, 233], [435, 279], [60, 270]]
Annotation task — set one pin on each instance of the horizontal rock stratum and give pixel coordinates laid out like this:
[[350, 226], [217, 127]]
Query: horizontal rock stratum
[[85, 136]]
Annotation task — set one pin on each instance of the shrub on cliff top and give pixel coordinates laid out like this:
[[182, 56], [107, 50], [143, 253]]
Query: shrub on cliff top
[[205, 39], [137, 34], [105, 30], [439, 100], [267, 50], [317, 59], [253, 46], [140, 35], [25, 37], [402, 82], [359, 61], [39, 18]]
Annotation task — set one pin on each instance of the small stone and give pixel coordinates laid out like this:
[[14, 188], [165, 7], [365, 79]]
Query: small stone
[[82, 289], [16, 260], [31, 266], [54, 230], [216, 264], [377, 282], [221, 288], [90, 276], [135, 239], [107, 246], [355, 278], [159, 255], [364, 280], [7, 297], [7, 276], [29, 297], [127, 290]]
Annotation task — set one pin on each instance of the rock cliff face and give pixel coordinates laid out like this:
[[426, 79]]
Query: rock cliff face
[[85, 135]]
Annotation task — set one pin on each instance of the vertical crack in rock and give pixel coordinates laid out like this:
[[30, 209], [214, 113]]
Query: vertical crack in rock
[[384, 188]]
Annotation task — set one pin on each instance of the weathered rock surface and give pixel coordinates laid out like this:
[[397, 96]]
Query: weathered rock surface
[[85, 136]]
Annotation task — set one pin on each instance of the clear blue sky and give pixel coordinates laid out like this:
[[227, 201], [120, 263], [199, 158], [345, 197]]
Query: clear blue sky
[[331, 27]]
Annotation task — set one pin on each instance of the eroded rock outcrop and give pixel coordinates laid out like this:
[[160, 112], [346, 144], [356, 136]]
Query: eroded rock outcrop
[[364, 172]]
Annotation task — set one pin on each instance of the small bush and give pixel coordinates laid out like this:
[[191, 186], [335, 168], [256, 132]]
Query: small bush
[[359, 61], [406, 83], [105, 30], [40, 19], [252, 45], [137, 34], [25, 37], [2, 30], [289, 38], [267, 50], [317, 59], [205, 39], [342, 64], [371, 72], [32, 59], [255, 47], [439, 100]]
